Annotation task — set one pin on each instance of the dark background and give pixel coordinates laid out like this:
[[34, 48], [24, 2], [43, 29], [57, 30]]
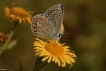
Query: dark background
[[84, 19]]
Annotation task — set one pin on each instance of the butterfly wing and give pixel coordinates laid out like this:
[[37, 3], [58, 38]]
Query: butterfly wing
[[41, 27], [55, 16]]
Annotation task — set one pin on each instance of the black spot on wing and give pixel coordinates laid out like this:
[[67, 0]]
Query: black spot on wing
[[62, 8]]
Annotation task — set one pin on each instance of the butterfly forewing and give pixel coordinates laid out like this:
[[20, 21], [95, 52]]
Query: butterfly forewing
[[41, 27], [55, 16]]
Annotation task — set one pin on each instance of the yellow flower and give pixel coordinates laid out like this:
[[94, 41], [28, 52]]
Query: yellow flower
[[18, 14], [54, 51]]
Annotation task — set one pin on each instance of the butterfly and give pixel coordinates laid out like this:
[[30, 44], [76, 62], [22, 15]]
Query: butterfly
[[49, 24]]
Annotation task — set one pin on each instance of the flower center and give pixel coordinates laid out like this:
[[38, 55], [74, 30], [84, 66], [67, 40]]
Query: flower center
[[55, 48]]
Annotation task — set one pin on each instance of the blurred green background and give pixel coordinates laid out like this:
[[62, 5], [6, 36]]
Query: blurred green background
[[85, 20]]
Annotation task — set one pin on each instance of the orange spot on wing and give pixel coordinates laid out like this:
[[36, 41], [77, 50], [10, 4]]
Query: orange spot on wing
[[35, 26], [41, 18]]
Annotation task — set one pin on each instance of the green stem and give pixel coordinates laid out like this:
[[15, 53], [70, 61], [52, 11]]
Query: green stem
[[12, 31], [14, 26], [5, 45], [39, 64]]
